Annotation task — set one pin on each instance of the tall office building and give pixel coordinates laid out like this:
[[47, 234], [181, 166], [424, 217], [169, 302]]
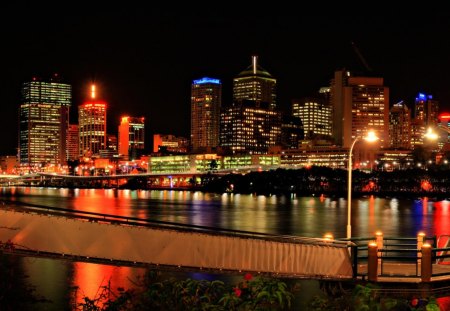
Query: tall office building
[[359, 104], [43, 122], [400, 126], [131, 137], [292, 132], [73, 143], [316, 115], [255, 83], [92, 125], [250, 127], [206, 100], [426, 110]]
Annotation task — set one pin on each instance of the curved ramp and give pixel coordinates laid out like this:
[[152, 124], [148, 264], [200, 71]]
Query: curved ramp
[[177, 246]]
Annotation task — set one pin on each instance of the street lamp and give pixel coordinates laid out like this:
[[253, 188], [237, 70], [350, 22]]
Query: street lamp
[[371, 137]]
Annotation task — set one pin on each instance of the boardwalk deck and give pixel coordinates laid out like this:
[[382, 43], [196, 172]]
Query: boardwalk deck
[[404, 272]]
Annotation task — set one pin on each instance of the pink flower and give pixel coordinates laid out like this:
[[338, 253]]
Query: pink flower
[[237, 291], [248, 276]]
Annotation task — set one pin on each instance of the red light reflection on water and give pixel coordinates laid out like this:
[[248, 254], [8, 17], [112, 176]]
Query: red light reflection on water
[[441, 219], [103, 201], [95, 280]]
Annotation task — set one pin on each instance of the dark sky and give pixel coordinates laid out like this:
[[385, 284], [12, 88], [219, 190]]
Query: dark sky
[[144, 59]]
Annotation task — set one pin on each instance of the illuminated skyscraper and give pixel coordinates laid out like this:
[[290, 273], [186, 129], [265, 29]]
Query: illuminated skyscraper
[[359, 104], [206, 100], [426, 110], [92, 125], [255, 83], [131, 137], [250, 127], [400, 126], [73, 143], [316, 115], [43, 122]]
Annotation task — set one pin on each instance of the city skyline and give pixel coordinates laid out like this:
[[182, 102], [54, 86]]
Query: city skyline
[[144, 63]]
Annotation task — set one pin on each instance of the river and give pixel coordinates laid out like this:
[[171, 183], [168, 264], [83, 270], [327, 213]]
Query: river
[[66, 283]]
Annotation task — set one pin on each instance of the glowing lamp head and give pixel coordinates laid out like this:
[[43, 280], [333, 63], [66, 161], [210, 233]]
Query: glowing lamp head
[[371, 137], [430, 134]]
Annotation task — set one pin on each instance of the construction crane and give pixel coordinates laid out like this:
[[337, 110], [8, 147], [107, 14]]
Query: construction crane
[[361, 57]]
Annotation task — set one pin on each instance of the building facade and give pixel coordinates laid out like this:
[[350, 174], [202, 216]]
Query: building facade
[[131, 137], [250, 127], [400, 126], [360, 104], [316, 115], [170, 144], [44, 122], [426, 109], [73, 143], [206, 101]]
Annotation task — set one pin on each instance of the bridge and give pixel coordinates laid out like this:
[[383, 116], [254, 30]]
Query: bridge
[[32, 230], [174, 180]]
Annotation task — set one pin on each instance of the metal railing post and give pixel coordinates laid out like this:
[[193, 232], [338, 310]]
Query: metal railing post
[[372, 262], [426, 267]]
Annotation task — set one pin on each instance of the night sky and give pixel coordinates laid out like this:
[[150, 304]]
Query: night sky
[[143, 60]]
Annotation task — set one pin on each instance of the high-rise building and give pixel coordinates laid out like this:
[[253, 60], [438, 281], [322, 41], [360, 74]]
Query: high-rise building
[[43, 122], [291, 132], [73, 143], [250, 127], [360, 104], [206, 100], [426, 110], [316, 115], [131, 137], [255, 83], [92, 125], [400, 126]]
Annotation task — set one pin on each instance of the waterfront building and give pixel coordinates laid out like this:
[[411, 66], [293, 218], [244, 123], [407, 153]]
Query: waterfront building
[[44, 122], [131, 137], [198, 163], [206, 101], [92, 125]]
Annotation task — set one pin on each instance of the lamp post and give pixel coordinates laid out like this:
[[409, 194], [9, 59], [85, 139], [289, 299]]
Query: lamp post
[[371, 137]]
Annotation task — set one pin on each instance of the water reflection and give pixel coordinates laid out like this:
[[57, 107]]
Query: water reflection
[[289, 215]]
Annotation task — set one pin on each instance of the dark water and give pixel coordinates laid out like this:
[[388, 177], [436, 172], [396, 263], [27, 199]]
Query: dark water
[[66, 283]]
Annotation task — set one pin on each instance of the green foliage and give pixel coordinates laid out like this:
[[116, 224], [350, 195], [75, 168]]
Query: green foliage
[[252, 293], [367, 298]]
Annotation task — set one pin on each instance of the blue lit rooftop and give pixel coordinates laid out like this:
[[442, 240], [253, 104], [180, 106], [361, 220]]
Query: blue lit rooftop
[[207, 80]]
